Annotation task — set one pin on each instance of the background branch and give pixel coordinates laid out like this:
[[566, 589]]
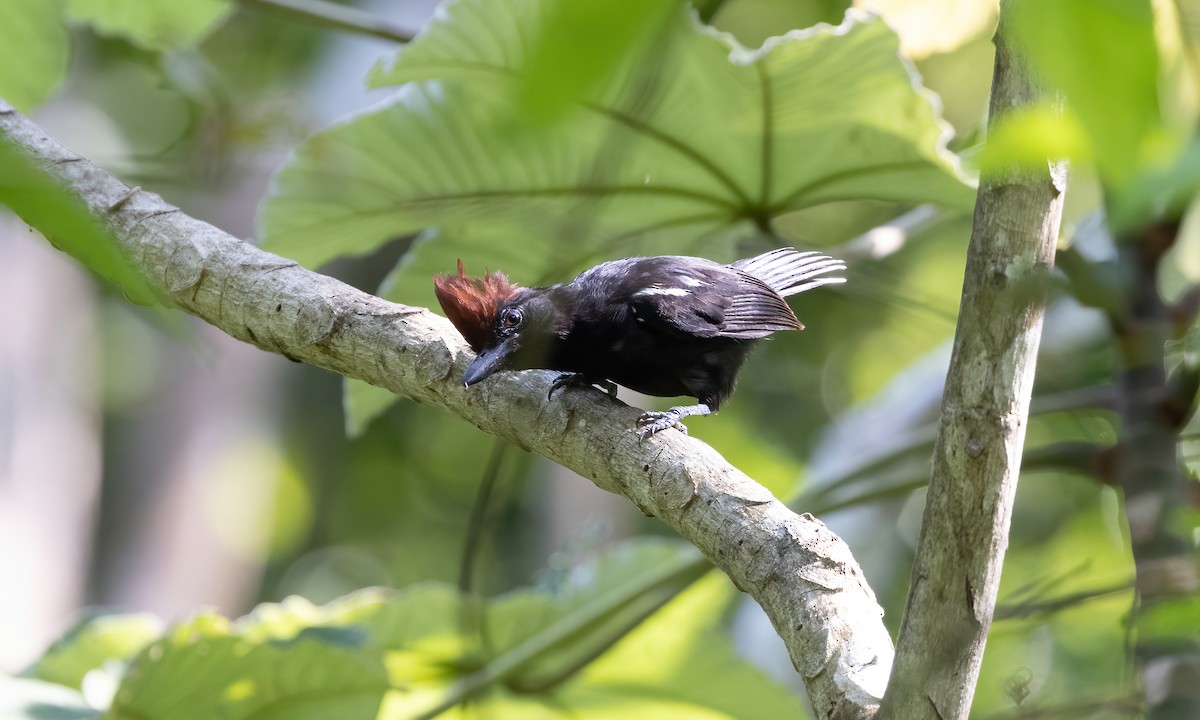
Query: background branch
[[336, 17], [803, 575], [1154, 410]]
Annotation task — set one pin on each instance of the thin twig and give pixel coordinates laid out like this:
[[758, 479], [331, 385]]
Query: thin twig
[[337, 17], [1019, 611]]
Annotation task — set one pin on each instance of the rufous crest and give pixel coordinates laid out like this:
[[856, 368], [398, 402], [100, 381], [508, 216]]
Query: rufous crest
[[471, 303]]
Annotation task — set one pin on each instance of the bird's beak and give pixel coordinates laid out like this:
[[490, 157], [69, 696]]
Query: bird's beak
[[487, 362]]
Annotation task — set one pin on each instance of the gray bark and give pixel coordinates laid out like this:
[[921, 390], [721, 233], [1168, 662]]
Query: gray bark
[[981, 432], [803, 575]]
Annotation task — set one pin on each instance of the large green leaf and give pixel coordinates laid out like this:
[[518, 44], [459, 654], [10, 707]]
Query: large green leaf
[[687, 144], [556, 73], [694, 134], [152, 24], [33, 51]]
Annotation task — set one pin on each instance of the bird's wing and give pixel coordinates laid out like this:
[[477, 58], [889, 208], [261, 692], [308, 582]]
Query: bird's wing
[[756, 311], [709, 300]]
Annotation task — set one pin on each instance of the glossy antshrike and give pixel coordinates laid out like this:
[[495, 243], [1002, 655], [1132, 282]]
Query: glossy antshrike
[[662, 326]]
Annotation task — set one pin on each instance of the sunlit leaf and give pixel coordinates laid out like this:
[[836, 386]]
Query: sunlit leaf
[[33, 51], [293, 659], [595, 603], [94, 641], [401, 654], [65, 222], [152, 24], [927, 27], [1029, 138], [680, 657], [24, 699], [598, 656]]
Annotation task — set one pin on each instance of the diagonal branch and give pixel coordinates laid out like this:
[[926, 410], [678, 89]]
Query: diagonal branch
[[803, 575]]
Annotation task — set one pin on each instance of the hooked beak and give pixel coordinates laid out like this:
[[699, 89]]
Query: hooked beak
[[488, 362]]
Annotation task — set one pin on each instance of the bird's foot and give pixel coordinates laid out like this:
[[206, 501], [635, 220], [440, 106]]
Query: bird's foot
[[652, 422], [581, 380]]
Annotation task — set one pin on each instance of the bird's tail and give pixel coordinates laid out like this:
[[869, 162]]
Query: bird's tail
[[789, 271]]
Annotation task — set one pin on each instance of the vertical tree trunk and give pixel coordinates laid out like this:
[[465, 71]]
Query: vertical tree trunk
[[981, 433]]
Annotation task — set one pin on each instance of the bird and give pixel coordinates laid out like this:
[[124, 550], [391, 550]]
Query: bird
[[665, 326]]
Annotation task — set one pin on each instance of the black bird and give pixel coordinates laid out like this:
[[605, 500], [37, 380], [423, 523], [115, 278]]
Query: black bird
[[664, 326]]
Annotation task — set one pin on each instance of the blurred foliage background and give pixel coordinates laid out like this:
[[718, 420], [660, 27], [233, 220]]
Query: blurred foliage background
[[154, 465]]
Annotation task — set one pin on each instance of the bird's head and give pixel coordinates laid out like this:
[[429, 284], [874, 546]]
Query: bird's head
[[508, 327]]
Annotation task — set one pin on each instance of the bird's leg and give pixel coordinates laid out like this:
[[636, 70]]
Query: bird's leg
[[581, 380], [652, 422]]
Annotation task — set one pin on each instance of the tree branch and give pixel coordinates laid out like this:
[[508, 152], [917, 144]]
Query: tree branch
[[981, 431], [803, 575], [338, 17], [1154, 410]]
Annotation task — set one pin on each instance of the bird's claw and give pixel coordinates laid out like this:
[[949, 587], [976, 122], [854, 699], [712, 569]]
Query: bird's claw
[[653, 422], [580, 380]]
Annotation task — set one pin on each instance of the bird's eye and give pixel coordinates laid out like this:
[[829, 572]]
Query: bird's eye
[[511, 317]]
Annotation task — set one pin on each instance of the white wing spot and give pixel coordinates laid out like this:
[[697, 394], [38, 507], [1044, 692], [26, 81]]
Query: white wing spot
[[680, 292], [690, 281]]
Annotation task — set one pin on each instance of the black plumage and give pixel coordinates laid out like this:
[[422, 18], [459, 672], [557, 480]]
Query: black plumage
[[664, 326]]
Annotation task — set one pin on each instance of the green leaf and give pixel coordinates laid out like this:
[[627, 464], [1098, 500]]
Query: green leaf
[[680, 664], [24, 699], [94, 641], [293, 659], [400, 655], [152, 24], [1166, 190], [1028, 138], [65, 222], [597, 644], [1102, 55], [594, 605], [697, 136], [556, 73], [33, 51]]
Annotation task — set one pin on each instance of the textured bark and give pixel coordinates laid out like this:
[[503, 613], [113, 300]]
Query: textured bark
[[981, 432], [802, 574]]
